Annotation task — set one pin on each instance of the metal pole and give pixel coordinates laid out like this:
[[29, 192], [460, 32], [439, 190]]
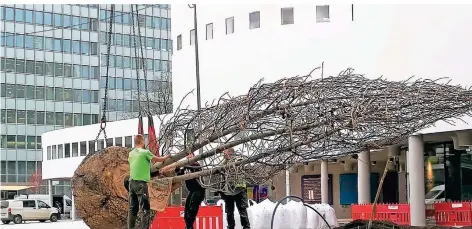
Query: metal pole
[[197, 73]]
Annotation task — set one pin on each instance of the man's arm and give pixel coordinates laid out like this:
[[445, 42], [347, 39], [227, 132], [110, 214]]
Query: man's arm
[[159, 159]]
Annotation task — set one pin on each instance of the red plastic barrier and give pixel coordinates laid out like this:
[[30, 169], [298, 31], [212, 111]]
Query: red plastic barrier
[[453, 214], [396, 213], [209, 217]]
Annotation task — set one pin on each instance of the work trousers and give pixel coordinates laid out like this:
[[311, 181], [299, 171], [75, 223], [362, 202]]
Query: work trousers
[[240, 199], [138, 198], [192, 204]]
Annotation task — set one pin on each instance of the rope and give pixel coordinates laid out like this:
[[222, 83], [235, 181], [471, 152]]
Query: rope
[[103, 121]]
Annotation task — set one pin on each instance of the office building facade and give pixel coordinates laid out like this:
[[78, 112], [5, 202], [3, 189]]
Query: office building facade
[[53, 63]]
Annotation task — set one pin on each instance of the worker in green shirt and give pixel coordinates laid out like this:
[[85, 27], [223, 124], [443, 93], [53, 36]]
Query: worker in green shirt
[[140, 174]]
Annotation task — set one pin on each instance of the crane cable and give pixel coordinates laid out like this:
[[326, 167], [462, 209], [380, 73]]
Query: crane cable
[[143, 62], [103, 121]]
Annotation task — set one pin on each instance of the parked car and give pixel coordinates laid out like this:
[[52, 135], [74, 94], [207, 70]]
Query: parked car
[[436, 194], [27, 210]]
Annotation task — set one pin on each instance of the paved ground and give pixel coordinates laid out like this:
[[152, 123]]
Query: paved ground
[[47, 225]]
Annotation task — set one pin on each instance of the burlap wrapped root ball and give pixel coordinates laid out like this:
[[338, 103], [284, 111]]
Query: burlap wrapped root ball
[[101, 199]]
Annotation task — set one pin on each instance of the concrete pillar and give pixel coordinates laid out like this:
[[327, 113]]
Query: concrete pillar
[[72, 212], [324, 182], [50, 192], [415, 161], [363, 177]]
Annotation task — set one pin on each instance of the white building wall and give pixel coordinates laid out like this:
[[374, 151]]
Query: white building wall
[[396, 41]]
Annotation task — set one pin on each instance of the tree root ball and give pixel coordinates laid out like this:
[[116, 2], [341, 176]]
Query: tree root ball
[[101, 199]]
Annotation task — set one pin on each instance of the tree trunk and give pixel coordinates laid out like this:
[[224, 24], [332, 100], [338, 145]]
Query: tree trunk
[[101, 199]]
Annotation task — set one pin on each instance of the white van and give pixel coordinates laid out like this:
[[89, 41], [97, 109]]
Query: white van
[[436, 194], [27, 210], [64, 202]]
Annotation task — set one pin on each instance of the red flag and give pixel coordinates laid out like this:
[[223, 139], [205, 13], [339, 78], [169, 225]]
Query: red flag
[[152, 138], [140, 126]]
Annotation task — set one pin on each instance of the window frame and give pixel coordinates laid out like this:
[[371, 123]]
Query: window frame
[[209, 31], [256, 16], [230, 19], [285, 12]]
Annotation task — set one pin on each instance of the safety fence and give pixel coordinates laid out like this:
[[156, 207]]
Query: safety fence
[[208, 217], [444, 213]]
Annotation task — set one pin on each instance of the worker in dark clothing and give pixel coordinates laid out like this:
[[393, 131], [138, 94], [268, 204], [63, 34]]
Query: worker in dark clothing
[[238, 197], [196, 192], [140, 167]]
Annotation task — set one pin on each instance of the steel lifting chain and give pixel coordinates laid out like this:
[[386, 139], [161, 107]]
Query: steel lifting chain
[[103, 121], [136, 55]]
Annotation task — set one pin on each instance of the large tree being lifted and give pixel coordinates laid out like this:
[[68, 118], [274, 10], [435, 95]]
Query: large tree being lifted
[[274, 126]]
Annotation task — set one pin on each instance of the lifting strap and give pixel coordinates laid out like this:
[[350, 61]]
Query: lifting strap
[[153, 144]]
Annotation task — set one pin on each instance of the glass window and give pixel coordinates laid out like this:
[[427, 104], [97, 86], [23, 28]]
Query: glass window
[[94, 48], [11, 90], [30, 92], [84, 23], [76, 47], [149, 22], [149, 43], [31, 142], [287, 17], [229, 25], [68, 94], [93, 24], [103, 15], [164, 45], [83, 148], [11, 144], [157, 44], [9, 65], [86, 96], [179, 42], [30, 67], [10, 39], [68, 70], [60, 151], [134, 84], [31, 117], [255, 20], [164, 65], [85, 47], [40, 117], [58, 69], [20, 91], [85, 72], [50, 118], [59, 94], [209, 31], [59, 118], [165, 23], [127, 84], [49, 43], [111, 105], [91, 147], [49, 93], [9, 14], [94, 96], [49, 67], [111, 82], [66, 46], [39, 67], [128, 106], [38, 42], [22, 169], [38, 18], [3, 90], [38, 146], [54, 152], [21, 116], [20, 141], [129, 141], [77, 119], [49, 152], [68, 119], [156, 22], [119, 61], [76, 69], [76, 22], [58, 45], [94, 72], [29, 16], [19, 15], [75, 149], [322, 13], [119, 83], [126, 62], [67, 21], [126, 40], [77, 95], [67, 150], [87, 119], [20, 41], [29, 42], [118, 39], [119, 105], [48, 19], [58, 20], [11, 116], [118, 141], [192, 37], [20, 66]]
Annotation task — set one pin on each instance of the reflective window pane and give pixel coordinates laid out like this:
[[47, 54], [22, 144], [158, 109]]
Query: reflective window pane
[[48, 19], [40, 117], [19, 15]]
